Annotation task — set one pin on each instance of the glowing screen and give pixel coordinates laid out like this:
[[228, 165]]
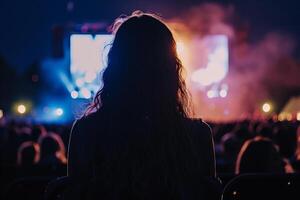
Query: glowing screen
[[88, 56], [212, 61], [207, 59]]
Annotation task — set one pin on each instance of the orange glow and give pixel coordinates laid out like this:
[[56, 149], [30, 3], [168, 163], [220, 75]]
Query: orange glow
[[298, 116]]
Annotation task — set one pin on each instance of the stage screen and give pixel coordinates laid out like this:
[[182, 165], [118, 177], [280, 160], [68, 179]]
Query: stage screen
[[209, 60], [88, 57]]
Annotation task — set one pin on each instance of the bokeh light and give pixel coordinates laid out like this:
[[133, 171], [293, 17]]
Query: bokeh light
[[59, 111], [223, 93], [79, 82], [266, 107], [86, 93], [211, 94], [21, 109], [1, 113], [74, 94], [289, 117]]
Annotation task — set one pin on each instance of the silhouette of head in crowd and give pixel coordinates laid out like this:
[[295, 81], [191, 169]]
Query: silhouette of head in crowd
[[52, 150], [28, 154], [286, 139], [259, 155], [297, 154]]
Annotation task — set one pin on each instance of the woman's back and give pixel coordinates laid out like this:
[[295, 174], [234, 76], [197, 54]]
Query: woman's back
[[136, 136], [124, 157]]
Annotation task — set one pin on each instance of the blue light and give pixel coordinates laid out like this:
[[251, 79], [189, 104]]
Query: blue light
[[74, 94], [59, 112]]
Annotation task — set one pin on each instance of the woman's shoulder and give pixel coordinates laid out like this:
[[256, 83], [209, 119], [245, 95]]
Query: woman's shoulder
[[84, 128], [198, 126], [202, 138], [87, 121]]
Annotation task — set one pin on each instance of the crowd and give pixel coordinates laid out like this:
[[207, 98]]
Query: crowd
[[32, 150], [257, 147], [241, 147]]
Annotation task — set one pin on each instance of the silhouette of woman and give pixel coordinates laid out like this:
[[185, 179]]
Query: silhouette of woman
[[136, 139]]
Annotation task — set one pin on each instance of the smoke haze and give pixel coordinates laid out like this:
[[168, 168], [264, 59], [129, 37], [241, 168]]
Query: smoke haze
[[257, 69]]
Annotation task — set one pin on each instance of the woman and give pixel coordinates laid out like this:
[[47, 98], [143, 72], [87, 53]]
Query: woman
[[136, 139]]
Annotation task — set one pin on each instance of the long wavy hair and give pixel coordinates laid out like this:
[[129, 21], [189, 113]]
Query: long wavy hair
[[145, 103], [143, 72]]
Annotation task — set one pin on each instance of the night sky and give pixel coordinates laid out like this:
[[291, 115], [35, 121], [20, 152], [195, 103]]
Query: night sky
[[26, 25]]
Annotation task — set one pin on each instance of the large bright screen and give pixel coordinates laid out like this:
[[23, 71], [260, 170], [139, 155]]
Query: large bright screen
[[206, 58], [213, 61], [88, 57]]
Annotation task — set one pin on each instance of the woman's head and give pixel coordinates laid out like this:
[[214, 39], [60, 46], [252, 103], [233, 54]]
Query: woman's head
[[143, 70]]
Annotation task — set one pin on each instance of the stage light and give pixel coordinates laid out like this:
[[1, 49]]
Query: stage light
[[21, 109], [223, 93], [281, 117], [285, 116], [79, 82], [1, 113], [211, 94], [74, 94], [59, 111], [289, 117], [266, 107], [298, 116], [66, 81], [86, 93]]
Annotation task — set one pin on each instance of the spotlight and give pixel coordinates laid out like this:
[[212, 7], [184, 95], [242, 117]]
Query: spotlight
[[298, 116], [266, 107], [79, 82], [86, 93], [1, 113], [223, 93], [74, 94], [59, 111], [211, 94], [21, 109]]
